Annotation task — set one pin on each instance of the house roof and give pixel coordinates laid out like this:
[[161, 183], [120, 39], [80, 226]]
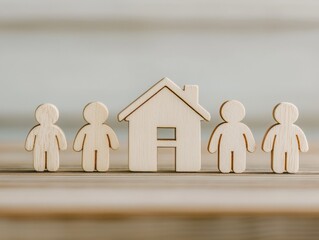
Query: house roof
[[165, 82]]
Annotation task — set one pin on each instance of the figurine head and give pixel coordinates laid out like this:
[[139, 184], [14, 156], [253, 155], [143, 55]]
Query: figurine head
[[232, 111], [47, 114], [286, 113], [95, 113]]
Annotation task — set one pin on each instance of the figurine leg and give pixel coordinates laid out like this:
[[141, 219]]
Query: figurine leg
[[224, 160], [53, 161], [278, 161], [239, 160], [88, 160], [293, 162], [102, 161], [39, 159]]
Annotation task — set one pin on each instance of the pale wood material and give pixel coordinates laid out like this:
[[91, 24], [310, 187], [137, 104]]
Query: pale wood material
[[165, 105], [70, 192], [158, 228], [72, 204], [95, 139], [284, 140], [46, 139], [232, 138]]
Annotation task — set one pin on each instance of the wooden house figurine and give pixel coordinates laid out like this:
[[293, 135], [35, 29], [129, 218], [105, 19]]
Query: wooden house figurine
[[165, 106]]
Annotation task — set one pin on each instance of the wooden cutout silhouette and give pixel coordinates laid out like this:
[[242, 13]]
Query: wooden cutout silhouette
[[95, 138], [165, 105], [232, 138], [46, 139], [284, 140]]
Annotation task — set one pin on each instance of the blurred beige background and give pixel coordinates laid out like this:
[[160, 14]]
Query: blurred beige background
[[72, 52]]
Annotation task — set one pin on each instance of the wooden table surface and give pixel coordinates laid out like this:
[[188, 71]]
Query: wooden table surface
[[71, 204]]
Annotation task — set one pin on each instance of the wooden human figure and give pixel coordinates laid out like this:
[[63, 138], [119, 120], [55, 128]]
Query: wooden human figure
[[232, 138], [284, 140], [95, 139], [46, 139]]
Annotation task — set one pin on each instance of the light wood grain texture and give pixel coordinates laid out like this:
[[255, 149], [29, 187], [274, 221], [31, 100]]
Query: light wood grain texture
[[46, 139], [232, 138], [119, 204], [165, 105], [95, 139], [284, 140]]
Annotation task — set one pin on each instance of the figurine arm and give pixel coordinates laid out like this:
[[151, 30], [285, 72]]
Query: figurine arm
[[113, 140], [61, 139], [249, 138], [30, 141], [302, 140], [79, 139], [215, 138], [269, 138]]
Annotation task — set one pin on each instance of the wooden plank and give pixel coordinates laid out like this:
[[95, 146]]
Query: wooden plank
[[119, 192], [71, 204]]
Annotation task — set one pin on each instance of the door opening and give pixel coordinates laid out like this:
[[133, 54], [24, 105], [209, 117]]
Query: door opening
[[166, 159]]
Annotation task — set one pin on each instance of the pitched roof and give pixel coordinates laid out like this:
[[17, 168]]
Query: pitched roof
[[165, 82]]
